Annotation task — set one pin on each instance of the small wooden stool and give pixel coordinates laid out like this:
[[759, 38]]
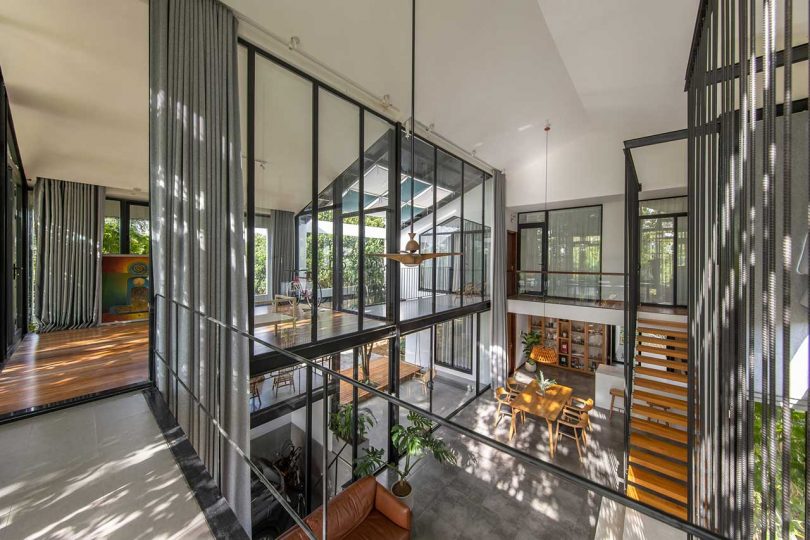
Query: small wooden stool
[[615, 393]]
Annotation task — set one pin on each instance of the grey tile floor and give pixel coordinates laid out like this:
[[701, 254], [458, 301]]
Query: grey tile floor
[[99, 470]]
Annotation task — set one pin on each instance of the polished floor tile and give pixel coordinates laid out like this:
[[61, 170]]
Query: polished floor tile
[[99, 470]]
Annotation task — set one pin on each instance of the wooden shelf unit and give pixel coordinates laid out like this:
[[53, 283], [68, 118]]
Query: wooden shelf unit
[[581, 346]]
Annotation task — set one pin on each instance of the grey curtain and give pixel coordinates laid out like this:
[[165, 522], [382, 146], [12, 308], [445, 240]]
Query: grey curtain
[[198, 249], [281, 250], [498, 343], [69, 220]]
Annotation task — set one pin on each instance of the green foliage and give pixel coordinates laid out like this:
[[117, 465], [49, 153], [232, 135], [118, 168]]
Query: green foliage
[[413, 442], [111, 243], [340, 422], [797, 457], [139, 236], [260, 264], [350, 258], [529, 340]]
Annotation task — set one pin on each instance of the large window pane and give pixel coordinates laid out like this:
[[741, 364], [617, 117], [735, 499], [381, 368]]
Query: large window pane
[[574, 245], [473, 237], [338, 175], [283, 190], [138, 229], [416, 282], [112, 228], [681, 288], [378, 177], [448, 232], [671, 205], [657, 246]]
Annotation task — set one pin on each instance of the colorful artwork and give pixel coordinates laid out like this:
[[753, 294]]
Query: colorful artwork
[[124, 288]]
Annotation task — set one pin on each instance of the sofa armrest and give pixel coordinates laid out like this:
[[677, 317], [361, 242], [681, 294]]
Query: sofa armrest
[[395, 510]]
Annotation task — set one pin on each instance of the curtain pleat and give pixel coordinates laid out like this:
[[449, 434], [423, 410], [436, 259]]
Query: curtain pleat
[[498, 343], [198, 245], [69, 217], [282, 250]]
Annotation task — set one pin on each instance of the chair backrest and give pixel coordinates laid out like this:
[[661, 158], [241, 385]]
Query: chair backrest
[[503, 395]]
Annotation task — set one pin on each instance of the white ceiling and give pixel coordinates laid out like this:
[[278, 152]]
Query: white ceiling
[[77, 78], [488, 76]]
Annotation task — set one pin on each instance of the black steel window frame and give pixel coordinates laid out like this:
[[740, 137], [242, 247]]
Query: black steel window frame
[[15, 325], [123, 224], [544, 226], [393, 209], [674, 216]]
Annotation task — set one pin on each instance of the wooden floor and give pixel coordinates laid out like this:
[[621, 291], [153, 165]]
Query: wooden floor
[[379, 376], [52, 367]]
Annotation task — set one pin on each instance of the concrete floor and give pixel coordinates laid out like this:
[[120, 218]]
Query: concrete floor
[[99, 470], [492, 494]]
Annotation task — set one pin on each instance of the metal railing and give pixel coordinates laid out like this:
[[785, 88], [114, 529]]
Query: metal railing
[[171, 310], [606, 288]]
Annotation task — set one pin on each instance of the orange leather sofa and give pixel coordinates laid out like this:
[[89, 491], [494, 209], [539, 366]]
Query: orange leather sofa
[[363, 511]]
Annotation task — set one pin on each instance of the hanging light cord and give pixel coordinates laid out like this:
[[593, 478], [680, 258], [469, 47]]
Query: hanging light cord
[[544, 277], [413, 104]]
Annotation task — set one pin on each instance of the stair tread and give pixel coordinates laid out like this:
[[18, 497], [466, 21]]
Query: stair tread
[[660, 373], [673, 353], [658, 399], [673, 469], [677, 343], [661, 386], [658, 446], [662, 332], [663, 322], [666, 416], [659, 484], [660, 430], [660, 503], [670, 364]]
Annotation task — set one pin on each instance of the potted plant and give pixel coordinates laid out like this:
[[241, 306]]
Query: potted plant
[[544, 384], [412, 443], [340, 424], [530, 340]]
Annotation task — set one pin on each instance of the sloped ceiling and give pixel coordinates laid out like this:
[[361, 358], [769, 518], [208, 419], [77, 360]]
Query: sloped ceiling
[[488, 76]]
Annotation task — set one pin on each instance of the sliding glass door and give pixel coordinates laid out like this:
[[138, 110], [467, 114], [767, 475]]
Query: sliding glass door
[[13, 214]]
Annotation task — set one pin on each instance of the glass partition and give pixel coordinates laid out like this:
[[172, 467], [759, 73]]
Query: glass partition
[[282, 188]]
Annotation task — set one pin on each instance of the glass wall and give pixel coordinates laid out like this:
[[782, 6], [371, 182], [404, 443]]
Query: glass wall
[[281, 190], [560, 252], [662, 251]]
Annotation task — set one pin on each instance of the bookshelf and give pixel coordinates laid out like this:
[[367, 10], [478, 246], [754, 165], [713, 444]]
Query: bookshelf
[[581, 346]]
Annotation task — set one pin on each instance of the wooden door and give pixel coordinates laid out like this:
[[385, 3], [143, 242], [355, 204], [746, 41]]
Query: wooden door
[[511, 263], [511, 345]]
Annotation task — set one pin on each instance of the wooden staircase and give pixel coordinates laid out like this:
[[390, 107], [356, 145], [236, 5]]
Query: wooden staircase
[[657, 469]]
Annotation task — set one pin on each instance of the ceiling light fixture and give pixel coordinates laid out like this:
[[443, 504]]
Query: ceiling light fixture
[[410, 256]]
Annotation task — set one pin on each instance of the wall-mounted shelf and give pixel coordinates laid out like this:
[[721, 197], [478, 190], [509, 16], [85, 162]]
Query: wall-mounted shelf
[[581, 346]]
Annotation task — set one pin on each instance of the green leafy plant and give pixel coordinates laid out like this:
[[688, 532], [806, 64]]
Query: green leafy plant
[[413, 443], [529, 340], [544, 383], [340, 422]]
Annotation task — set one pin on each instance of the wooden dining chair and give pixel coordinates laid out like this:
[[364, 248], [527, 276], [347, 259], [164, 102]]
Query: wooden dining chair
[[504, 399], [577, 422], [582, 405], [425, 378], [515, 388]]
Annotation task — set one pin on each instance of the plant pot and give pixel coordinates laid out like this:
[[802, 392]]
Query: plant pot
[[531, 367], [403, 491]]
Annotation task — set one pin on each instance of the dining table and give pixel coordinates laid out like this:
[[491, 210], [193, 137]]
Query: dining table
[[548, 405]]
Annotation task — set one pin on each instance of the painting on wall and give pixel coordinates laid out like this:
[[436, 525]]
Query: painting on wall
[[124, 288]]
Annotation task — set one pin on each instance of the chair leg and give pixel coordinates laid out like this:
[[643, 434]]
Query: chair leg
[[576, 439], [612, 400]]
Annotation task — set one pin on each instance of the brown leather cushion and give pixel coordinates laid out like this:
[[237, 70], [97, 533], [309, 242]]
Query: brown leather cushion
[[352, 513], [377, 526]]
